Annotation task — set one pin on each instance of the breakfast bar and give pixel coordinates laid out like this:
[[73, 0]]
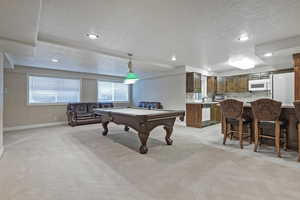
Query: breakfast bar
[[288, 115]]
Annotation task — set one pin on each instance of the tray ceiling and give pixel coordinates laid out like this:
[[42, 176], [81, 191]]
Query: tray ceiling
[[200, 33]]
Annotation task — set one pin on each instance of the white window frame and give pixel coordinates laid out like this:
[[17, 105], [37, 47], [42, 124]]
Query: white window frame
[[110, 81], [51, 76]]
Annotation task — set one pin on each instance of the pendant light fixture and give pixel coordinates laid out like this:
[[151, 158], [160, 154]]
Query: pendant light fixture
[[131, 77]]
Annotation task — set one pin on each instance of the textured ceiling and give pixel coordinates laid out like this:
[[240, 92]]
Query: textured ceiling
[[19, 20], [200, 33], [72, 59]]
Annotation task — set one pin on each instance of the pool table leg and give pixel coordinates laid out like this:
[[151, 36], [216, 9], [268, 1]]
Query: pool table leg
[[104, 125], [169, 131], [143, 138]]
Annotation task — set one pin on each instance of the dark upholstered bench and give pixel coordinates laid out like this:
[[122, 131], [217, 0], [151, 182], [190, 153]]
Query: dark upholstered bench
[[83, 113]]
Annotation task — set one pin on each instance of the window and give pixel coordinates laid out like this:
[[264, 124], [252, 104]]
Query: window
[[204, 86], [50, 90], [109, 91]]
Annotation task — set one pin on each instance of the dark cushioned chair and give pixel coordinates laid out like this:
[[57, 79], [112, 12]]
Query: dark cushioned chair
[[150, 105], [83, 113]]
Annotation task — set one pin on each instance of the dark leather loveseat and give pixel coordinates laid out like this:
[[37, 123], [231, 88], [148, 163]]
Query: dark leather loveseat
[[83, 113], [150, 105]]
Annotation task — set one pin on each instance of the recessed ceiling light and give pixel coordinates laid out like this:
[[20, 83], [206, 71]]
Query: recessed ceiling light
[[209, 69], [174, 58], [242, 63], [269, 54], [54, 60], [243, 38], [92, 36]]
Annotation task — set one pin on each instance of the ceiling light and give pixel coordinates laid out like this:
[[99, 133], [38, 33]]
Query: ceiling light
[[174, 58], [131, 77], [243, 38], [54, 60], [92, 36], [268, 54], [242, 63], [209, 69]]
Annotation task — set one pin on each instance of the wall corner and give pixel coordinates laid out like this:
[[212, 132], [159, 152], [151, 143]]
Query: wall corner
[[1, 151]]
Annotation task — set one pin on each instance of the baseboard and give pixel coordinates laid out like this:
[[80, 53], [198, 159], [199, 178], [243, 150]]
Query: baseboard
[[18, 128], [1, 151]]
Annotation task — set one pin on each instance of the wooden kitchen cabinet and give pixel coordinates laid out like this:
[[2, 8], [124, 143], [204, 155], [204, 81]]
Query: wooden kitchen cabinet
[[194, 115], [221, 85], [211, 84], [243, 83], [230, 84], [215, 113], [240, 84], [193, 82], [237, 84], [297, 76]]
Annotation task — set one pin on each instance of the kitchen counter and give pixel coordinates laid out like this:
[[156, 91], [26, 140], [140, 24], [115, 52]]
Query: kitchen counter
[[288, 114], [201, 114], [203, 103], [282, 106]]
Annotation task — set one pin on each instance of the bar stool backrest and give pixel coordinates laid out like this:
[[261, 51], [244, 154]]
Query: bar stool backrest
[[232, 109], [266, 109], [297, 109]]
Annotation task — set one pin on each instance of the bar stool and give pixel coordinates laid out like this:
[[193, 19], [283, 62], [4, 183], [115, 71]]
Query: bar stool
[[267, 111], [297, 109], [232, 114]]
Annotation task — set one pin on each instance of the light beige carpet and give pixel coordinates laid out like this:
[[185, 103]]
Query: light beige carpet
[[64, 163]]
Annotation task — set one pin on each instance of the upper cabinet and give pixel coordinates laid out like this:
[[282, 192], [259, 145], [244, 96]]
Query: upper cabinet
[[193, 82], [221, 85], [232, 84], [211, 84], [243, 83]]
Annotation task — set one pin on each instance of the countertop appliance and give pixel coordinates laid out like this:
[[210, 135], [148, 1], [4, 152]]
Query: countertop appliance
[[283, 87], [218, 98], [259, 85]]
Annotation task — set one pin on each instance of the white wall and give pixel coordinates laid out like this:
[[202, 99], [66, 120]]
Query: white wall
[[168, 89], [1, 103], [15, 100]]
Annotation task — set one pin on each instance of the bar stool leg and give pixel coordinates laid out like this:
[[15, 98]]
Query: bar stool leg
[[260, 131], [286, 146], [298, 142], [277, 138], [231, 133], [222, 123], [240, 130], [256, 134], [229, 128], [250, 133], [224, 130]]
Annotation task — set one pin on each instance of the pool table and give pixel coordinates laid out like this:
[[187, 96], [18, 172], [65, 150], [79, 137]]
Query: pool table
[[141, 120]]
